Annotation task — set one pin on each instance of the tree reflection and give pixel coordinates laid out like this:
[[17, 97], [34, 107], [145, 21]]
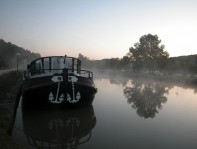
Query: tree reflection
[[146, 99], [118, 81]]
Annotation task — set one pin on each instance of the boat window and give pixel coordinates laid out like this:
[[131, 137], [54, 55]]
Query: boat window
[[46, 65], [51, 65], [68, 63], [36, 67], [60, 63]]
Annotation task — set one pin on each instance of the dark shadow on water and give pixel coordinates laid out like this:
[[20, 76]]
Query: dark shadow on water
[[55, 128], [146, 99], [64, 129]]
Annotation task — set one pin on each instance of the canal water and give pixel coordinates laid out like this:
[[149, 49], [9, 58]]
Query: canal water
[[127, 113]]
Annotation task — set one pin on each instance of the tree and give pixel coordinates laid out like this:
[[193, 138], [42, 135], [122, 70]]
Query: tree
[[85, 60], [148, 53], [8, 55], [124, 62]]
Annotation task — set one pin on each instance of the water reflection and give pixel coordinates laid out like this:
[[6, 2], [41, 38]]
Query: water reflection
[[176, 124], [147, 98], [56, 128]]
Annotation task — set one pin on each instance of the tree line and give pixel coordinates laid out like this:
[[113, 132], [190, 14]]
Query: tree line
[[10, 54], [147, 55]]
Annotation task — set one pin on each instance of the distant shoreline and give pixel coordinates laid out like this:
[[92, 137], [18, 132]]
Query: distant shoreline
[[183, 79]]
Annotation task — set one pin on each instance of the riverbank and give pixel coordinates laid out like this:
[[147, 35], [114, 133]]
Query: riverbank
[[9, 85]]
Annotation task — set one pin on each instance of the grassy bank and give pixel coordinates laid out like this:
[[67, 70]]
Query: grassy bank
[[9, 85]]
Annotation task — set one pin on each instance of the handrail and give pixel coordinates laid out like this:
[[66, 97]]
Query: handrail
[[79, 72], [56, 56], [40, 64]]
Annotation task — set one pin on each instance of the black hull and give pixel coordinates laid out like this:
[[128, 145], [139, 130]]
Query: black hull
[[42, 92]]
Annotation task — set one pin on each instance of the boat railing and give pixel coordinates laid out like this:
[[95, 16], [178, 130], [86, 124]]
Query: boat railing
[[86, 73], [50, 72]]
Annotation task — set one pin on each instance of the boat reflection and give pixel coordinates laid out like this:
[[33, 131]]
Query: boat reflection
[[146, 98], [58, 128]]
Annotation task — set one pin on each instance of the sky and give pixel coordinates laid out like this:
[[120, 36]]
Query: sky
[[98, 29]]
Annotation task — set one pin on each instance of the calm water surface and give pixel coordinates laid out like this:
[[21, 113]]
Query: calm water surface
[[126, 113]]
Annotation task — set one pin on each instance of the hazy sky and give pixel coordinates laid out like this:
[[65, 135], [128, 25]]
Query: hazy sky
[[98, 28]]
